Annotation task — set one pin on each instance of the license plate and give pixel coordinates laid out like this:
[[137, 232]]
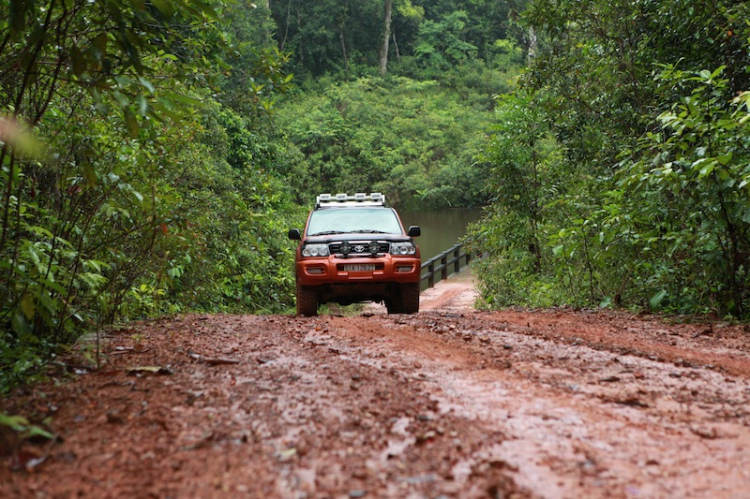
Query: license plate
[[360, 267]]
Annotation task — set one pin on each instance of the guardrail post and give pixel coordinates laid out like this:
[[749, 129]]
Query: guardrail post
[[444, 261]]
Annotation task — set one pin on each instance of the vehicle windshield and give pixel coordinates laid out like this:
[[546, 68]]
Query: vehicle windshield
[[339, 221]]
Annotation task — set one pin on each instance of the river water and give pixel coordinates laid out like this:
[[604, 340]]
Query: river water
[[441, 229]]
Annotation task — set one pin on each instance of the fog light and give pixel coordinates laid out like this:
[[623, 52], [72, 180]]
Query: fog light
[[315, 271], [345, 248], [404, 269]]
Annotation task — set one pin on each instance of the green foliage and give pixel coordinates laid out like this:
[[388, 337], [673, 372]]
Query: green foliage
[[530, 201], [342, 37], [21, 426], [440, 45], [639, 194], [254, 66], [686, 188], [147, 198], [414, 141]]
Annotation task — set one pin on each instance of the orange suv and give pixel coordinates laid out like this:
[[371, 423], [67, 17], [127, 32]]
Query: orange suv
[[353, 249]]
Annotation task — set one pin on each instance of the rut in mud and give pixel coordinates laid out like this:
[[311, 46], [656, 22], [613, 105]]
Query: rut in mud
[[446, 403]]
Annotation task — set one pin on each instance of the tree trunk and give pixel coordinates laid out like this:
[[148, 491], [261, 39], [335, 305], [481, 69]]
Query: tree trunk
[[300, 48], [343, 47], [531, 45], [286, 25], [342, 38], [387, 10], [395, 46]]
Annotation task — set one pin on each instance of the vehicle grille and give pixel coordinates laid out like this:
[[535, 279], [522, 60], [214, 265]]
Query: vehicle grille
[[383, 247]]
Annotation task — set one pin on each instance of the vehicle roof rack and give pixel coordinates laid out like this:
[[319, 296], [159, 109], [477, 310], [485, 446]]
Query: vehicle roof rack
[[359, 199]]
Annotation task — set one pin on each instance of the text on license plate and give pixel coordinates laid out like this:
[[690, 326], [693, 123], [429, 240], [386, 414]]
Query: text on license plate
[[359, 267]]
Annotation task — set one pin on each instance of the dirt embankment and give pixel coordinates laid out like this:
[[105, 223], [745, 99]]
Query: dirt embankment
[[448, 403]]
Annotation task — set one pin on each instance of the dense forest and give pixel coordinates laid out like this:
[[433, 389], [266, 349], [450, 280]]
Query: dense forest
[[155, 152], [620, 168]]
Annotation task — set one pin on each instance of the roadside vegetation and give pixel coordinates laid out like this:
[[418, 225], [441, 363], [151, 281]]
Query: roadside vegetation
[[154, 153], [138, 170], [621, 166]]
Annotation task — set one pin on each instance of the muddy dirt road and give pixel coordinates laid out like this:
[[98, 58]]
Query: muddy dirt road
[[448, 403]]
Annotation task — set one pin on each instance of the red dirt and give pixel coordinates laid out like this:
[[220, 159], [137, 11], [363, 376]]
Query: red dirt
[[448, 403]]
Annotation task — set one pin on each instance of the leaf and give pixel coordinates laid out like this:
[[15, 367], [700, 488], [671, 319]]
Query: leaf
[[123, 81], [98, 47], [28, 306], [90, 174], [78, 60], [724, 159], [144, 82], [149, 370], [132, 123], [19, 325], [656, 300], [286, 454], [36, 431], [717, 72], [185, 99], [16, 423], [704, 166], [121, 99]]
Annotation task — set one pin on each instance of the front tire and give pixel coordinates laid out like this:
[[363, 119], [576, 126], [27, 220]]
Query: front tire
[[307, 301], [406, 301], [410, 298]]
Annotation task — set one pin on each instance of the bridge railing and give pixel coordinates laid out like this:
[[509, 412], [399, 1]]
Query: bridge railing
[[443, 265]]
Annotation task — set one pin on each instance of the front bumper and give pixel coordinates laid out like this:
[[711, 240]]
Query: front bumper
[[331, 270]]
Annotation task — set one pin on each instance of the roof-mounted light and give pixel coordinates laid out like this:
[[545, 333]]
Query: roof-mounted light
[[360, 198]]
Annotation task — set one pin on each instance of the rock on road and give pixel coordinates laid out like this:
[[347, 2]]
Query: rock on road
[[448, 403]]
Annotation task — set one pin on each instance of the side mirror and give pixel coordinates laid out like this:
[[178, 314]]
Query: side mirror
[[415, 231], [294, 234]]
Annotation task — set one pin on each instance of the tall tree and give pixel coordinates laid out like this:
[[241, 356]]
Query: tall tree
[[386, 37]]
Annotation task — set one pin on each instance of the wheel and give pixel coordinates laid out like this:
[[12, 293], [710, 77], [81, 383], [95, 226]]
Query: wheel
[[406, 300], [307, 301], [392, 305], [409, 298]]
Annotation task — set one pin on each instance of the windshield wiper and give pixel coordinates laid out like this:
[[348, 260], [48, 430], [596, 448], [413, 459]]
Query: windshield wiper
[[369, 231], [328, 233]]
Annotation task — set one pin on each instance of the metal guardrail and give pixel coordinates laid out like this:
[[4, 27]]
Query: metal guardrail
[[442, 264]]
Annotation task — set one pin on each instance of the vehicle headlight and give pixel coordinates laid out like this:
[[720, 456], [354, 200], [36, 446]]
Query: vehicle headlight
[[315, 250], [403, 249]]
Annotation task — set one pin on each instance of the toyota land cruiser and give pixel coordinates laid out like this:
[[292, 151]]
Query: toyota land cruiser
[[354, 249]]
